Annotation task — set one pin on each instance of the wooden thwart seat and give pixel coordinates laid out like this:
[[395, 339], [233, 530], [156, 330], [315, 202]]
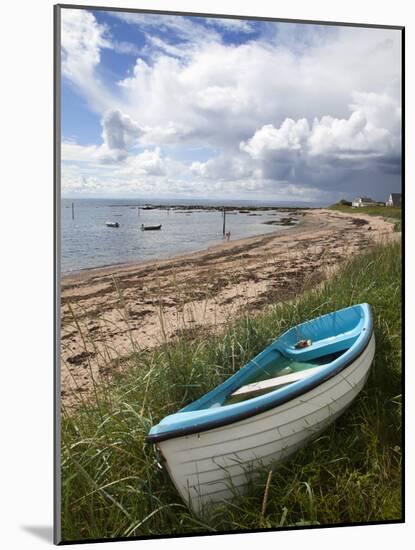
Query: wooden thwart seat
[[272, 383]]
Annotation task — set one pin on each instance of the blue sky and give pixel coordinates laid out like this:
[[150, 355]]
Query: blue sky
[[173, 106]]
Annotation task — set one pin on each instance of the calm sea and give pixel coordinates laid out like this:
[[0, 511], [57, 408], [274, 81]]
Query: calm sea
[[87, 242]]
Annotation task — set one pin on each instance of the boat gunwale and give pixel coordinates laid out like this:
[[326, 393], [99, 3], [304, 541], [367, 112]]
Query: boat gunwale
[[207, 425]]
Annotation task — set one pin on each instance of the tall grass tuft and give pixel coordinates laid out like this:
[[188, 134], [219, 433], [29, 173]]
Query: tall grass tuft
[[112, 485]]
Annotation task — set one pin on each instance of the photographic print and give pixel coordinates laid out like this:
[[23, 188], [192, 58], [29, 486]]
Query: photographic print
[[229, 197]]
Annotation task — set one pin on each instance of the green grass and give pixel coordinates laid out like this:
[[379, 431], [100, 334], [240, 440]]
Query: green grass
[[390, 212], [112, 486]]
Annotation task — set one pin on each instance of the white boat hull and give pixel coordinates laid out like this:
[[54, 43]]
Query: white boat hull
[[214, 465]]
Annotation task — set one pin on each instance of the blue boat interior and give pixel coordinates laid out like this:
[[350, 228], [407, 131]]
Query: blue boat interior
[[327, 342]]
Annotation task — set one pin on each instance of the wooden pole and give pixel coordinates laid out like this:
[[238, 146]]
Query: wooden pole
[[224, 220], [73, 212]]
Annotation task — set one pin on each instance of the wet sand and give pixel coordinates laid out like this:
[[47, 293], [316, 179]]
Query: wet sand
[[110, 312]]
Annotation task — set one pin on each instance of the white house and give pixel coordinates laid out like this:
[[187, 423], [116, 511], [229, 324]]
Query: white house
[[395, 199], [363, 201]]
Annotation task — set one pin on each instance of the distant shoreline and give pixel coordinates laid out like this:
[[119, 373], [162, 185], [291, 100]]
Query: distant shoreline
[[198, 203]]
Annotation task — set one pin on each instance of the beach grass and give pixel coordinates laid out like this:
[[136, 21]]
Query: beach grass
[[387, 212], [112, 485]]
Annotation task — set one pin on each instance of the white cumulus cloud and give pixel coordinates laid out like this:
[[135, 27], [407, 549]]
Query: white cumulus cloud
[[291, 135], [373, 128]]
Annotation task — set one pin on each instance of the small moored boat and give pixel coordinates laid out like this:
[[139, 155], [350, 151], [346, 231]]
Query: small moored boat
[[112, 224], [150, 227], [269, 409]]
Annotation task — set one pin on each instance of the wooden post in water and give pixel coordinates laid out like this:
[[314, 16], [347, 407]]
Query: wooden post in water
[[73, 211], [224, 220]]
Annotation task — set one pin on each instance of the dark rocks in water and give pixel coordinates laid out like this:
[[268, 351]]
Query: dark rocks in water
[[282, 221], [249, 210]]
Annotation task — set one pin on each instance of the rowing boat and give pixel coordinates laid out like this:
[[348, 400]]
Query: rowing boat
[[150, 227], [270, 408]]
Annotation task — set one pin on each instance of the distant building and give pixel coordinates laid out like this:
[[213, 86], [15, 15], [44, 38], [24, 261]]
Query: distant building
[[395, 199], [363, 201]]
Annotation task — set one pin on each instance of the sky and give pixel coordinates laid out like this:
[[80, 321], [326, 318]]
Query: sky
[[167, 106]]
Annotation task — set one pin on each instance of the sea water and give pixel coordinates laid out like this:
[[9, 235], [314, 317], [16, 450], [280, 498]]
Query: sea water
[[86, 241]]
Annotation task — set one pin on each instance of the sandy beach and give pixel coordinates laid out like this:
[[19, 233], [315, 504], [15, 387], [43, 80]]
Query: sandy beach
[[110, 312]]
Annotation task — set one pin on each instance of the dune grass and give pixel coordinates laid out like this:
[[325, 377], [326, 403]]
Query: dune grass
[[388, 212], [112, 485]]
